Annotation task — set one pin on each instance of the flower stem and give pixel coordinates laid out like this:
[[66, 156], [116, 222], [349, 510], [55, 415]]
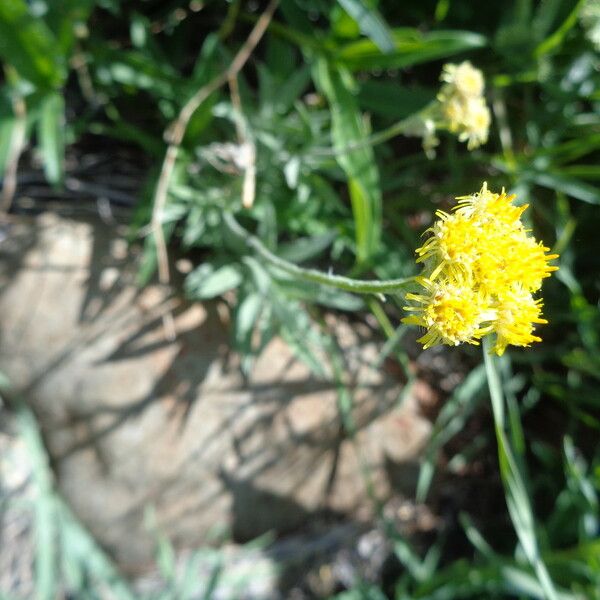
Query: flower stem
[[374, 139], [515, 490], [357, 286], [402, 127], [494, 384]]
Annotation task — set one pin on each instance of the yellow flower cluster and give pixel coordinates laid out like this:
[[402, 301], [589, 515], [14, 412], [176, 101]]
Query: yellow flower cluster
[[481, 269], [462, 103], [459, 108]]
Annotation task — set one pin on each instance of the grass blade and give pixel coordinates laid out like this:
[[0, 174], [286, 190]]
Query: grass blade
[[517, 498], [45, 508]]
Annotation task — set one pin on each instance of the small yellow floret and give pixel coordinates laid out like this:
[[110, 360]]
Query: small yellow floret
[[451, 311], [476, 123], [485, 205], [454, 111], [527, 262], [452, 242], [517, 314], [464, 79]]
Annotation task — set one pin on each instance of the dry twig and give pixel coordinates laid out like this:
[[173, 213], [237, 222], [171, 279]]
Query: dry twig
[[175, 136], [247, 149]]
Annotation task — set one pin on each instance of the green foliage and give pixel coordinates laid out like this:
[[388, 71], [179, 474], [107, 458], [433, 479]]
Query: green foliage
[[30, 47], [411, 47], [329, 80], [359, 165], [51, 135]]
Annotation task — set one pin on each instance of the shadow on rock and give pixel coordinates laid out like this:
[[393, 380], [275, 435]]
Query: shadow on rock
[[133, 420]]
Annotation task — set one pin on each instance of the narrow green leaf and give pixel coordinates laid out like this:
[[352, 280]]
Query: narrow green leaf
[[517, 498], [7, 126], [206, 67], [299, 333], [475, 537], [128, 132], [545, 15], [51, 133], [371, 23], [566, 184], [291, 89], [45, 505], [359, 164], [411, 47], [165, 558], [82, 554], [207, 282], [63, 18], [555, 40], [389, 99], [136, 71], [245, 319], [305, 248]]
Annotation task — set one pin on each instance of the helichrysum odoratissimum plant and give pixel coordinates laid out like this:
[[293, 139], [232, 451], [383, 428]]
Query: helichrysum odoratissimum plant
[[481, 271]]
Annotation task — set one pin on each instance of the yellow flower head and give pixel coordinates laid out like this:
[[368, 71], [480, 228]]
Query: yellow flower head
[[459, 108], [480, 266], [451, 310]]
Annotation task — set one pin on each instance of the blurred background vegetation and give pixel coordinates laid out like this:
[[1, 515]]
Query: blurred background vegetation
[[113, 76]]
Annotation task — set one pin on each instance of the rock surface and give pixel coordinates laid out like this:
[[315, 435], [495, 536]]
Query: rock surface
[[133, 420]]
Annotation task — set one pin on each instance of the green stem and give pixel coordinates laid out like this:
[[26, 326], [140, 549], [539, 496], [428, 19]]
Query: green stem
[[399, 128], [494, 384], [515, 490], [382, 318], [357, 286], [374, 139], [229, 21]]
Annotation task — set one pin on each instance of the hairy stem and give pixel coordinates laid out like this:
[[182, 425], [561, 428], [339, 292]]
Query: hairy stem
[[357, 286]]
